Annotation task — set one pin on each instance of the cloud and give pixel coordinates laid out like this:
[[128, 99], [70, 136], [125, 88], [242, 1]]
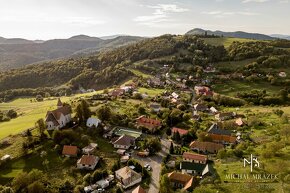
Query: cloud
[[284, 1], [161, 14], [222, 14], [254, 1]]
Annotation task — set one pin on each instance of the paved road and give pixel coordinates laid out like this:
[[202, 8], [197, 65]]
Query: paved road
[[155, 163]]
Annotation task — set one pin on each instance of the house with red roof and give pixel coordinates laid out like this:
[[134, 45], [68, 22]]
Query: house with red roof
[[181, 181], [88, 162], [149, 123], [205, 146], [223, 139], [203, 91], [70, 151], [180, 131], [59, 117]]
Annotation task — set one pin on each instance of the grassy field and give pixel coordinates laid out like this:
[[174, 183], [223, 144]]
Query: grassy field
[[151, 91], [225, 41], [139, 73], [29, 112], [233, 87]]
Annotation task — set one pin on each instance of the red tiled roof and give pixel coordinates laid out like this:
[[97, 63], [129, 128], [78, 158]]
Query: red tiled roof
[[69, 150], [148, 122], [88, 160], [221, 138], [184, 179], [194, 156], [180, 131], [206, 146]]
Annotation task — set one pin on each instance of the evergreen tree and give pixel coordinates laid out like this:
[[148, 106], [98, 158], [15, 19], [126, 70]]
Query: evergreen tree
[[171, 150]]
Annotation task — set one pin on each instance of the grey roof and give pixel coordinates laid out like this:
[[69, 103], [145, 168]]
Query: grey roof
[[192, 166], [214, 129]]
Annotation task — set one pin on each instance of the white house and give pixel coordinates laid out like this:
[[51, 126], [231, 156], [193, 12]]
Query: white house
[[103, 183], [93, 122], [128, 177], [90, 148], [59, 117], [88, 162]]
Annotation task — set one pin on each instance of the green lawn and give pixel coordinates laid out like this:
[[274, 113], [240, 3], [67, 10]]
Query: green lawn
[[233, 87], [151, 91], [225, 41], [139, 73], [29, 112]]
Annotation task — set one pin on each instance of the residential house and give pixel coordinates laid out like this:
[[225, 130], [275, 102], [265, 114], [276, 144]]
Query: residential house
[[223, 139], [117, 92], [282, 74], [124, 142], [104, 183], [88, 162], [205, 147], [225, 116], [69, 151], [155, 82], [155, 107], [181, 181], [93, 122], [180, 131], [139, 189], [203, 91], [90, 148], [196, 169], [128, 177], [5, 157], [124, 158], [200, 107], [213, 110], [150, 124], [59, 117], [195, 158], [127, 88], [175, 95], [214, 129], [240, 122]]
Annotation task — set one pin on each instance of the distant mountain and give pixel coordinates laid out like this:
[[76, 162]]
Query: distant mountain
[[112, 36], [280, 36], [15, 53], [14, 41], [237, 34]]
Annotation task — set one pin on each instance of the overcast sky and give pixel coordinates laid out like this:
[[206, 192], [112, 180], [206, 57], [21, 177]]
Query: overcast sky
[[47, 19]]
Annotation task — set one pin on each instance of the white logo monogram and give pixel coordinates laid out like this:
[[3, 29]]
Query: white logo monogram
[[256, 164]]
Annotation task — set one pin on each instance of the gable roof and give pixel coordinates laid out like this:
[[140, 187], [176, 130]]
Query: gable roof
[[127, 175], [214, 129], [88, 160], [206, 146], [148, 122], [184, 179], [240, 122], [69, 150], [200, 107], [180, 131], [125, 140], [192, 166], [139, 189], [222, 138], [194, 156], [55, 115]]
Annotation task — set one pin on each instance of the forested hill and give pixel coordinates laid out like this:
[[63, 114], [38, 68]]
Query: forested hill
[[108, 67], [15, 53], [237, 34], [184, 54]]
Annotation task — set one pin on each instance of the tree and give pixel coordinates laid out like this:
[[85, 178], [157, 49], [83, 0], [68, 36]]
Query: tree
[[39, 98], [40, 125], [83, 111], [165, 185], [283, 95], [104, 113], [171, 149], [153, 144], [36, 187]]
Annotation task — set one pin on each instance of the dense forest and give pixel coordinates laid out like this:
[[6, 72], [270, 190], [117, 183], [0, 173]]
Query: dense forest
[[111, 67]]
